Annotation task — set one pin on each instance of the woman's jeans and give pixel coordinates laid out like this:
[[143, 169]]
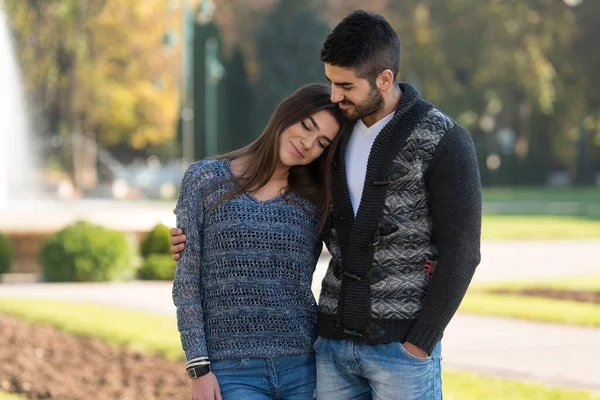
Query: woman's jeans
[[288, 377]]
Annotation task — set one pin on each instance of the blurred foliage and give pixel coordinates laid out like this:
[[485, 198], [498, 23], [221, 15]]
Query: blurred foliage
[[99, 66], [494, 65], [85, 252], [154, 247], [503, 65], [287, 52], [241, 101], [157, 241], [5, 254], [157, 267]]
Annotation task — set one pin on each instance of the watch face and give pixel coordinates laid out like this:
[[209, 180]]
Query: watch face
[[192, 373]]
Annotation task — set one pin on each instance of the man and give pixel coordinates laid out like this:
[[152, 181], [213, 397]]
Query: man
[[406, 189]]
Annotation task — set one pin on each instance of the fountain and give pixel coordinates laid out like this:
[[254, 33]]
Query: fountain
[[27, 215], [17, 177]]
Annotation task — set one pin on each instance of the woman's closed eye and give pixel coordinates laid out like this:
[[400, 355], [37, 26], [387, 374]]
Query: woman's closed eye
[[323, 142]]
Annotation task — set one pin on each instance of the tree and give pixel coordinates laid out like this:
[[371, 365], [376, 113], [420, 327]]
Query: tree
[[94, 67], [240, 102], [492, 66], [582, 67], [287, 45]]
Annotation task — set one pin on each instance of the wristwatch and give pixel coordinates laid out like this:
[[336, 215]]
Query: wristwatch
[[197, 372]]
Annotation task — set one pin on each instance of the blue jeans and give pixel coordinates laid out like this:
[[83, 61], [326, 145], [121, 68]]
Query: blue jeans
[[349, 370], [288, 377]]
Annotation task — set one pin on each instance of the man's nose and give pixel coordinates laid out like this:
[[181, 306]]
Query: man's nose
[[336, 95]]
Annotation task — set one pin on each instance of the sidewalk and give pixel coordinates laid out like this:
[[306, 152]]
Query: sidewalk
[[557, 355], [553, 354]]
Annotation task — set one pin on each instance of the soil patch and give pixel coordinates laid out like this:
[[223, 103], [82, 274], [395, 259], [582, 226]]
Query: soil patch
[[40, 362], [575, 295]]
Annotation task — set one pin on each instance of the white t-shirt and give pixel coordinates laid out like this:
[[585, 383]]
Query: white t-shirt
[[357, 156]]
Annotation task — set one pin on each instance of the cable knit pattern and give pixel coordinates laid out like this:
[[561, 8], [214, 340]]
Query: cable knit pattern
[[243, 284], [421, 200]]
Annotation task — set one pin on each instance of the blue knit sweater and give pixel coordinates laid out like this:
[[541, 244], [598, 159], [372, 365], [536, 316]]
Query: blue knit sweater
[[243, 284]]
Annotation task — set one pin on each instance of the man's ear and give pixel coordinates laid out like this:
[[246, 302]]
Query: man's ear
[[385, 80]]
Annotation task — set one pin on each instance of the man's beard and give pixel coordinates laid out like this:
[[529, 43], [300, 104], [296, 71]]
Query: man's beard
[[372, 104]]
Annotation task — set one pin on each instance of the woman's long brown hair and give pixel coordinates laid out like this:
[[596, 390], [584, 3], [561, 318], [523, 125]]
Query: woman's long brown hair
[[312, 181]]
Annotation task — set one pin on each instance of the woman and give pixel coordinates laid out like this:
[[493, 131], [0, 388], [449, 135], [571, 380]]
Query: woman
[[245, 309]]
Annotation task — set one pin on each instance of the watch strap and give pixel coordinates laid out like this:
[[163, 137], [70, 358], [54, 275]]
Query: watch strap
[[197, 372]]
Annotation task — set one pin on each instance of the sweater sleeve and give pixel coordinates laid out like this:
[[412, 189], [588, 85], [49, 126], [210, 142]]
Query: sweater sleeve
[[187, 285], [454, 188]]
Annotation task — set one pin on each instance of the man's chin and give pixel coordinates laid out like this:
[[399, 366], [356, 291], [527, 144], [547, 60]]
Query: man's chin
[[350, 115]]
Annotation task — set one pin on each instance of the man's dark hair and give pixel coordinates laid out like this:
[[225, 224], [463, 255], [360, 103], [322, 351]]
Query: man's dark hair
[[364, 41]]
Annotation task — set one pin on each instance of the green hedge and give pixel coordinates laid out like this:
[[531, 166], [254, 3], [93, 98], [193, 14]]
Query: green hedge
[[5, 254], [158, 267], [85, 252], [157, 241]]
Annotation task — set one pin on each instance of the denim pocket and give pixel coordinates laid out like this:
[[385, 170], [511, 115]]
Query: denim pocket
[[317, 342], [412, 357], [228, 365]]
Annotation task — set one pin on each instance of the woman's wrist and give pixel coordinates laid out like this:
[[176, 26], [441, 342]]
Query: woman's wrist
[[197, 372], [198, 367]]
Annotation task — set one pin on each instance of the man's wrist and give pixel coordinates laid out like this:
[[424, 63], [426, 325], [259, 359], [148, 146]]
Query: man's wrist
[[424, 335]]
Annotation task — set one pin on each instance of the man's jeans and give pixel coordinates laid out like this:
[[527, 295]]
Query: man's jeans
[[349, 370], [289, 377]]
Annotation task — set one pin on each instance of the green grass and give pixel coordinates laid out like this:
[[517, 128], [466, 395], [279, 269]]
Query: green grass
[[532, 308], [10, 396], [584, 283], [585, 194], [539, 227], [158, 335], [583, 202], [467, 386], [121, 327]]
